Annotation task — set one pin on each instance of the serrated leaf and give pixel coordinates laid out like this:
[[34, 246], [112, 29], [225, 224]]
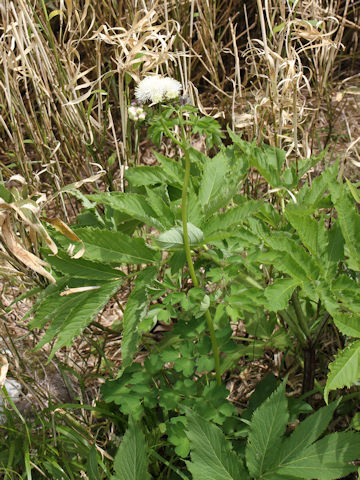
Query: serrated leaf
[[212, 180], [173, 170], [115, 247], [81, 315], [131, 460], [333, 252], [266, 159], [294, 173], [160, 208], [211, 455], [81, 268], [50, 301], [173, 238], [308, 229], [348, 323], [353, 190], [268, 424], [347, 292], [235, 216], [345, 369], [312, 196], [279, 293], [145, 175], [132, 204], [305, 434], [269, 161], [135, 312], [294, 260], [349, 220], [326, 459], [70, 314], [195, 210]]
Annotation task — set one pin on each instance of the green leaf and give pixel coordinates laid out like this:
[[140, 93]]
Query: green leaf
[[5, 194], [83, 314], [333, 253], [267, 159], [212, 180], [296, 171], [175, 430], [145, 175], [195, 210], [70, 314], [306, 226], [92, 465], [268, 424], [312, 195], [326, 459], [173, 239], [305, 434], [345, 369], [279, 293], [294, 260], [173, 170], [353, 190], [355, 423], [211, 455], [349, 220], [132, 204], [50, 298], [347, 292], [135, 312], [115, 247], [131, 460], [160, 208], [348, 324], [81, 268], [225, 221]]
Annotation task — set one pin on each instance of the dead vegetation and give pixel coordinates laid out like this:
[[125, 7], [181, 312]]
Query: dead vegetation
[[283, 72]]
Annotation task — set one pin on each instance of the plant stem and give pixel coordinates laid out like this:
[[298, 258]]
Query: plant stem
[[300, 316], [168, 464], [294, 327], [195, 281], [184, 215]]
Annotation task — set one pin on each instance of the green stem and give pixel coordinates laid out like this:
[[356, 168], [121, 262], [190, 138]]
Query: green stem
[[215, 349], [168, 464], [184, 215], [300, 316], [294, 327], [195, 281]]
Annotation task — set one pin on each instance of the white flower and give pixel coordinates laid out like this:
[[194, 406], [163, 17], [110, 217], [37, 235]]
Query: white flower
[[172, 88], [157, 89], [150, 89]]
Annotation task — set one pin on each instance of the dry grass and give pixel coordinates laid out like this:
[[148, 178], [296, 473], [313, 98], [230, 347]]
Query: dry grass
[[68, 72]]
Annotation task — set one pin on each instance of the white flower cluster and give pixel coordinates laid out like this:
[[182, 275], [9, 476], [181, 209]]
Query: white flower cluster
[[136, 113], [157, 89]]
